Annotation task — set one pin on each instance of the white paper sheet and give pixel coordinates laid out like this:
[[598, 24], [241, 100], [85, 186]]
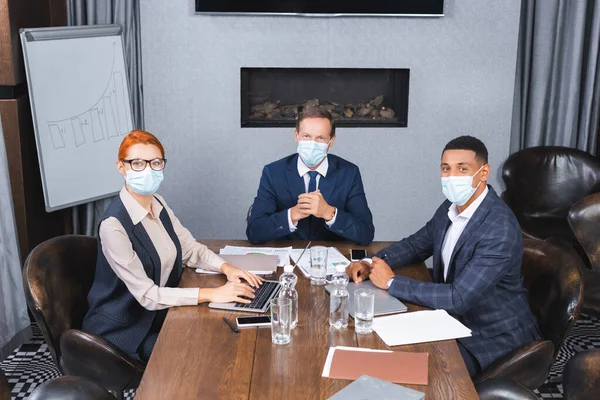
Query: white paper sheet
[[282, 253], [418, 327], [334, 258], [332, 350]]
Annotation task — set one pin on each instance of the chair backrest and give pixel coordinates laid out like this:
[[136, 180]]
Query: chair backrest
[[551, 276], [4, 387], [503, 389], [581, 376], [542, 183], [57, 277], [70, 388], [584, 218]]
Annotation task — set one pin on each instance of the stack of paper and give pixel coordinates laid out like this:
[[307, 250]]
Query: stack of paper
[[419, 327], [392, 366], [334, 258], [282, 253]]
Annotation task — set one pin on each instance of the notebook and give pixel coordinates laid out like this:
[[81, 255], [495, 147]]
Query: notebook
[[385, 303], [369, 388]]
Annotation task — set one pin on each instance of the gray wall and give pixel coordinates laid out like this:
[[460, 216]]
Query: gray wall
[[462, 70]]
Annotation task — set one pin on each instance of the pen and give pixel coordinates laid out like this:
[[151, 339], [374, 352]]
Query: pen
[[301, 254], [231, 325]]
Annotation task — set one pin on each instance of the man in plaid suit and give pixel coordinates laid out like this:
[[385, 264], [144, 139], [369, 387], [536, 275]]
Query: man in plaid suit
[[477, 248]]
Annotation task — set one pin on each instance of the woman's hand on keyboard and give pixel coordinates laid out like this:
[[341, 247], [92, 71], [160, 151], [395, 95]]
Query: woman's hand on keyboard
[[236, 275], [232, 291]]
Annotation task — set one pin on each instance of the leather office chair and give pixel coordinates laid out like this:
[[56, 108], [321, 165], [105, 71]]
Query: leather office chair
[[70, 388], [551, 276], [502, 389], [542, 183], [584, 218], [57, 277], [581, 377], [4, 387]]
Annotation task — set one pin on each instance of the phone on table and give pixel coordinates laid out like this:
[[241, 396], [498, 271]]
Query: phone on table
[[244, 322], [357, 254]]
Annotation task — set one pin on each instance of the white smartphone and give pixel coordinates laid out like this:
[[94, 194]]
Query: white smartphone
[[357, 254], [244, 322]]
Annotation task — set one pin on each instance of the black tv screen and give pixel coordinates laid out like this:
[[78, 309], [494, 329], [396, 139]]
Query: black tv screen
[[323, 7]]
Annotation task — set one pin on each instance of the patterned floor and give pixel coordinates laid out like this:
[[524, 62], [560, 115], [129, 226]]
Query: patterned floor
[[31, 364]]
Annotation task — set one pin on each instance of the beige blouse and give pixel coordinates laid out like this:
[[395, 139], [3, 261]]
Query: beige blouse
[[118, 250]]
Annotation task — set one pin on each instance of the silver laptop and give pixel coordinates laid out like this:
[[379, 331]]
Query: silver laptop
[[259, 304], [384, 302], [369, 388]]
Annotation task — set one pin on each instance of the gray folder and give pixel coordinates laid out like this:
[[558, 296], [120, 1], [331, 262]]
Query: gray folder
[[369, 388]]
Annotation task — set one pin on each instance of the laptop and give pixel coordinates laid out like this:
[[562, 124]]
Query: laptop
[[369, 388], [259, 264], [384, 302], [260, 304]]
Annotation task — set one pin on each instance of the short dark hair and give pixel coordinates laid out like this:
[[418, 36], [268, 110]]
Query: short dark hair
[[469, 143], [314, 112]]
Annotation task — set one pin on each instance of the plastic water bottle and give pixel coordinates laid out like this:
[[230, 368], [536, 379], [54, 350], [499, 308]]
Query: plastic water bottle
[[338, 306], [288, 281]]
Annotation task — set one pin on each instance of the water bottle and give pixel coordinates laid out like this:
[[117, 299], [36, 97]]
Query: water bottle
[[288, 280], [338, 306]]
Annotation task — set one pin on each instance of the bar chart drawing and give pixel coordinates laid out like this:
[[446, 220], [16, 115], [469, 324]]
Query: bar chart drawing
[[105, 120]]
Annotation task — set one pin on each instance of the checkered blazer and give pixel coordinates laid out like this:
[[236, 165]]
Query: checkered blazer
[[484, 288]]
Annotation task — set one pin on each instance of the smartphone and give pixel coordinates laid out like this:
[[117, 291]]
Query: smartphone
[[243, 322], [357, 254]]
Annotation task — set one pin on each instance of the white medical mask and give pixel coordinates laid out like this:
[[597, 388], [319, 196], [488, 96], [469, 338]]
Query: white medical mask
[[459, 189], [311, 152], [144, 182]]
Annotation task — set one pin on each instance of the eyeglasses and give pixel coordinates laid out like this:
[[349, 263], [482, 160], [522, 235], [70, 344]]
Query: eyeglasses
[[137, 164]]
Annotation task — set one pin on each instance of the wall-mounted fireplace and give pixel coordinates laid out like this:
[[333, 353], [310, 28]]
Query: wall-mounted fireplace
[[357, 97]]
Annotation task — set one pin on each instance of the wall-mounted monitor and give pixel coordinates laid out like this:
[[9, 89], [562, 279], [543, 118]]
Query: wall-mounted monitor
[[323, 8]]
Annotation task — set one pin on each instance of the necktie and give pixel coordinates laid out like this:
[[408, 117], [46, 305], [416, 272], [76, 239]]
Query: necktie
[[312, 183]]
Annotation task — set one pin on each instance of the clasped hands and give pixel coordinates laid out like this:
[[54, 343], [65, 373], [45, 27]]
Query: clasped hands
[[311, 203], [378, 271]]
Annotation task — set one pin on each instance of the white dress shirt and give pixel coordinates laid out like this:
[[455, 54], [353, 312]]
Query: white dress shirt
[[124, 261], [303, 172], [458, 224]]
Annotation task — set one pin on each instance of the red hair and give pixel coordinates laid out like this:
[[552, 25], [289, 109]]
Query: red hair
[[139, 137]]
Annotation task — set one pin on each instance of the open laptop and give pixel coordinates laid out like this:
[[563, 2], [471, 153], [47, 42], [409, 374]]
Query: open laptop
[[384, 302], [260, 304]]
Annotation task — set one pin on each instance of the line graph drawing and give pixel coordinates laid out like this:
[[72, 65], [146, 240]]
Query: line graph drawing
[[106, 119]]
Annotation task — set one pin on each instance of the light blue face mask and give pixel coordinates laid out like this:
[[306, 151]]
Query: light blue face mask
[[144, 182], [311, 152], [459, 189]]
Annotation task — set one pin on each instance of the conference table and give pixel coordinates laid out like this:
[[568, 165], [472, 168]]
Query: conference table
[[198, 356]]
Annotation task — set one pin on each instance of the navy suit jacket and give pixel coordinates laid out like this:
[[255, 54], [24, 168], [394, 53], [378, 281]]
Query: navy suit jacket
[[280, 186], [484, 288]]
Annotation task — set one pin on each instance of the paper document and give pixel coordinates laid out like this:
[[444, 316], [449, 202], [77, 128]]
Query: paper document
[[282, 253], [334, 258], [419, 327]]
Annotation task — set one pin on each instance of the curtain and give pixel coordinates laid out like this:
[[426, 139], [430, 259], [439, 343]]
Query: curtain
[[127, 14], [557, 86], [14, 321]]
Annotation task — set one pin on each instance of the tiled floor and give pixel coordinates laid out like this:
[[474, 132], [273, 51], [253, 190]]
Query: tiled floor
[[31, 364]]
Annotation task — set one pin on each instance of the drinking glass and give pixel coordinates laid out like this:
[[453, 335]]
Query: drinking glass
[[364, 305]]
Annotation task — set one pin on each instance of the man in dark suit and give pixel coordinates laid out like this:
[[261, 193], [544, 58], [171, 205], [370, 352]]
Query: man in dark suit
[[477, 250], [311, 195]]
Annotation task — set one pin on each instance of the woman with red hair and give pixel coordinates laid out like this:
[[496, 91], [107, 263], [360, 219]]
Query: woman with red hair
[[142, 250]]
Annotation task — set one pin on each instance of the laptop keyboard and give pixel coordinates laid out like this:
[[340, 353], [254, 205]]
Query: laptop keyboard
[[262, 295]]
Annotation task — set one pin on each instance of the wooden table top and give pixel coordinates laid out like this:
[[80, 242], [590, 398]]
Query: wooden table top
[[197, 356]]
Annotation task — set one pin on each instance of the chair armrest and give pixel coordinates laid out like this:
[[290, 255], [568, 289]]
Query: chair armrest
[[497, 389], [528, 365], [98, 360]]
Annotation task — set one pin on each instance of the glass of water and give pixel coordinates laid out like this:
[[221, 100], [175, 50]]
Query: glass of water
[[364, 305], [281, 320], [318, 265]]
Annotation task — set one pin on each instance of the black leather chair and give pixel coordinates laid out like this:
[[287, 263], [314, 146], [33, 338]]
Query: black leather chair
[[581, 377], [542, 183], [584, 218], [70, 388], [551, 275], [502, 389], [57, 277], [4, 387]]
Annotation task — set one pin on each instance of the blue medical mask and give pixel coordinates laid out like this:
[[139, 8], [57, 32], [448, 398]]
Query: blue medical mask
[[459, 189], [144, 182], [311, 152]]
